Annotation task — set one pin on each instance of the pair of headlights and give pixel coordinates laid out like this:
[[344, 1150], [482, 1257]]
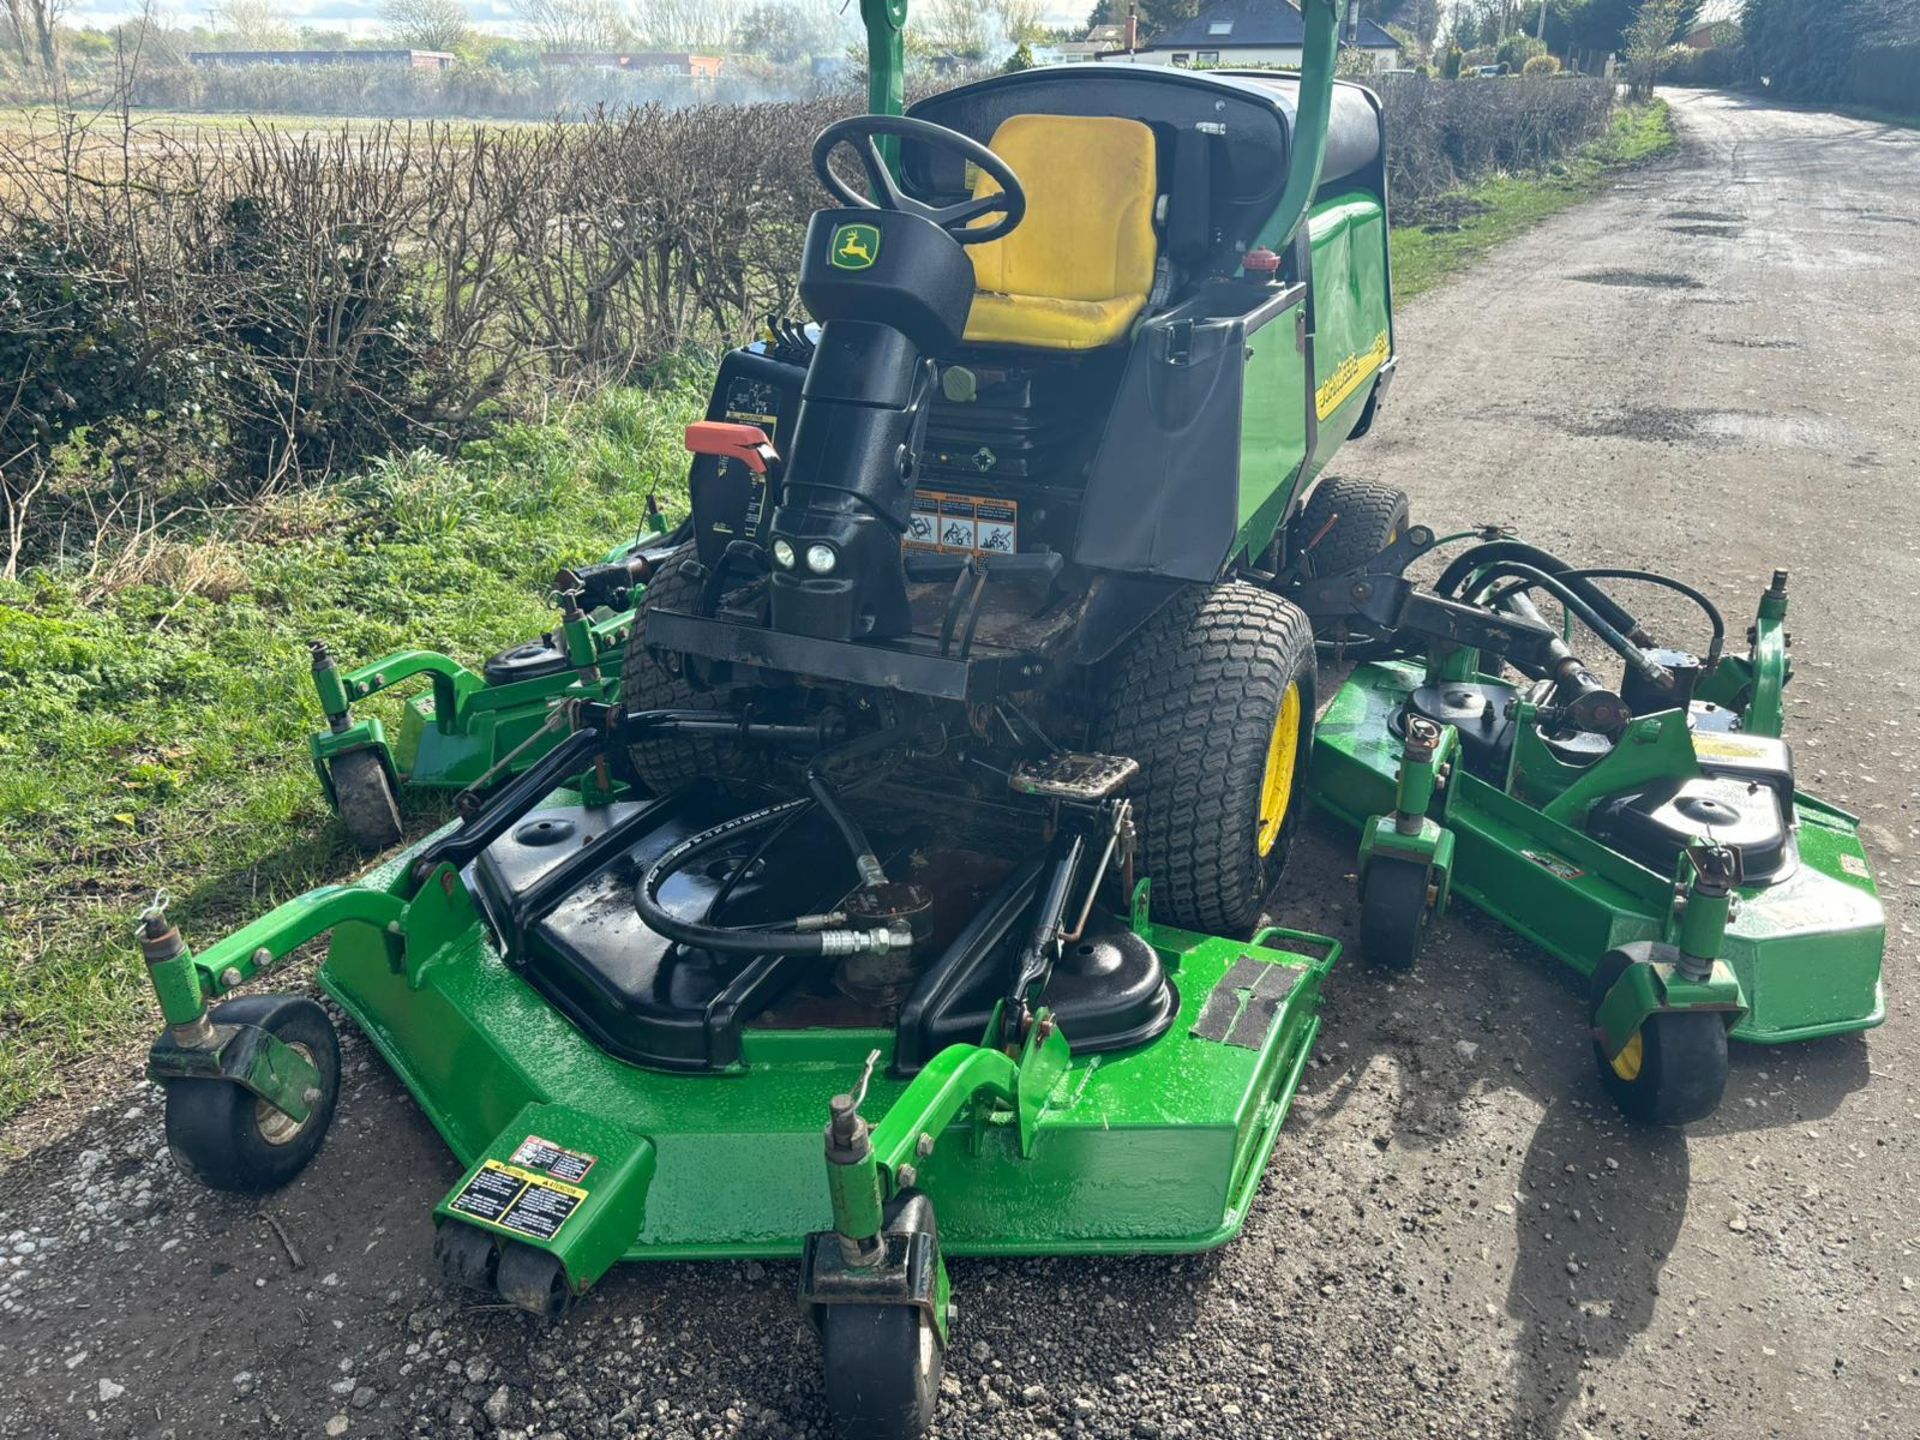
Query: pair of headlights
[[820, 558]]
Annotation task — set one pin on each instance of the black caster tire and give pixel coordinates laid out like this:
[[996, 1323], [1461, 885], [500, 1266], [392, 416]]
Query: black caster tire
[[1214, 696], [535, 660], [533, 1280], [1394, 912], [229, 1139], [1674, 1069], [467, 1255], [363, 796], [881, 1370]]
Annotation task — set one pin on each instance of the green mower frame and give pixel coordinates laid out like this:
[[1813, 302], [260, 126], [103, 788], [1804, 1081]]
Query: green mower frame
[[468, 730]]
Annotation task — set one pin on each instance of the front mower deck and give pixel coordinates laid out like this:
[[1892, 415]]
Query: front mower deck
[[1154, 1148]]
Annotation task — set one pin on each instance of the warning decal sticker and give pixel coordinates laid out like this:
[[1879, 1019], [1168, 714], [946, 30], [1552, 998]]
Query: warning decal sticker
[[517, 1199], [537, 1154], [969, 523]]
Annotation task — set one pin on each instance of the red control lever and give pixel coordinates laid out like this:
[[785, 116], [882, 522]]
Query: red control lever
[[746, 443]]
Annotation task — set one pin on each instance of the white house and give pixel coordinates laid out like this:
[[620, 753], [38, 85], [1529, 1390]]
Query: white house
[[1250, 32]]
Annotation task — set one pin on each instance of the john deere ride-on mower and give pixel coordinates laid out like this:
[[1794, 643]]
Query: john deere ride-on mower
[[903, 904]]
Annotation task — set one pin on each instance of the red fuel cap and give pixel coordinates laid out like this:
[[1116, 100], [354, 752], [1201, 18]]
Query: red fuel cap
[[1261, 261]]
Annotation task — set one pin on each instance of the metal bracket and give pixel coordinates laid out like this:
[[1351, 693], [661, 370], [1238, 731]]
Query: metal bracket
[[250, 1057]]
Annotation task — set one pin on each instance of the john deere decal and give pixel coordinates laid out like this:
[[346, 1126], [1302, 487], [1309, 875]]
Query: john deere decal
[[855, 247]]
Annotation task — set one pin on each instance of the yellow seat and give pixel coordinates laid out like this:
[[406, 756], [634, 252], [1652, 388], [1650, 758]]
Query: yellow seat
[[1076, 271]]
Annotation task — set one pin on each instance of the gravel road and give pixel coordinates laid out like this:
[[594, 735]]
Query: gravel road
[[1708, 370]]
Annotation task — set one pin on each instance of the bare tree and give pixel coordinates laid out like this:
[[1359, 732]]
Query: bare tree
[[427, 24], [573, 25], [253, 24]]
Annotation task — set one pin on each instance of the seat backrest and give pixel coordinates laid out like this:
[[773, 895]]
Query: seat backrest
[[1088, 232]]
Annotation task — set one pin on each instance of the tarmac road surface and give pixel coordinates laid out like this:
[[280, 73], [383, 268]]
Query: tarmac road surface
[[1710, 370]]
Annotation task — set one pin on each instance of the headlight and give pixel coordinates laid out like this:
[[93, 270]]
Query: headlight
[[821, 559], [783, 554]]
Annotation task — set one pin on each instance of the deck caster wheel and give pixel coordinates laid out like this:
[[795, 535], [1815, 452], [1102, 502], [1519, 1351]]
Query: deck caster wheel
[[882, 1367], [363, 795], [1394, 912], [533, 1280], [1673, 1070], [225, 1136], [466, 1255]]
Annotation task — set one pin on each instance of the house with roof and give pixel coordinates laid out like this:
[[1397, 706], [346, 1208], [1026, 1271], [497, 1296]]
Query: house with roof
[[1252, 32]]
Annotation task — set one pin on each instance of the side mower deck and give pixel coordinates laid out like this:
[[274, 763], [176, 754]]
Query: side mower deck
[[1805, 949]]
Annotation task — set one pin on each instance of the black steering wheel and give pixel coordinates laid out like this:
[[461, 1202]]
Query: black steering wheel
[[863, 132]]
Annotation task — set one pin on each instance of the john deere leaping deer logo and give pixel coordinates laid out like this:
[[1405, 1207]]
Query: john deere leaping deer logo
[[855, 247]]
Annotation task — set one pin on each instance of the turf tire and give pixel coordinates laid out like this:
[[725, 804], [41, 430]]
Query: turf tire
[[646, 684], [222, 1135], [1195, 697], [1371, 516], [1683, 1054]]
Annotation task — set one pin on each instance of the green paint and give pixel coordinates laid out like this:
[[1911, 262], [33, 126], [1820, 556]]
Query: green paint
[[1643, 991], [1806, 951], [1154, 1149]]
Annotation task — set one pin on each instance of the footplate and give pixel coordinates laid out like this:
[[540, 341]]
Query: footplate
[[1069, 775]]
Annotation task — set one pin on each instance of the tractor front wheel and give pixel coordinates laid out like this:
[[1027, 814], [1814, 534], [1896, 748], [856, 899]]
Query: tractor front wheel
[[1394, 911], [1673, 1070], [363, 796], [882, 1367], [1347, 521], [225, 1136], [1214, 696]]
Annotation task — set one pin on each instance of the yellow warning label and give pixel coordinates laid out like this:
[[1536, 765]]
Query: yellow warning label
[[1716, 745], [1348, 376], [517, 1199]]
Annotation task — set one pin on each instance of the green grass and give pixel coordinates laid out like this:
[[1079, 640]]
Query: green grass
[[1495, 211], [155, 737]]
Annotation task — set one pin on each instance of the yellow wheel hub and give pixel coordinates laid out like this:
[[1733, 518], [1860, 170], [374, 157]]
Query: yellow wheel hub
[[1283, 754], [1632, 1055]]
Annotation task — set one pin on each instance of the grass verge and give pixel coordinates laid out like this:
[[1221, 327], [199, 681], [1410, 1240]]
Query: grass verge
[[1450, 232], [154, 735]]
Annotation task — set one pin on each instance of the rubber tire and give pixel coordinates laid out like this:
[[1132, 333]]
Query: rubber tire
[[213, 1127], [1683, 1067], [364, 799], [880, 1367], [1194, 697], [645, 684], [1394, 912], [1372, 514], [534, 1280], [532, 660]]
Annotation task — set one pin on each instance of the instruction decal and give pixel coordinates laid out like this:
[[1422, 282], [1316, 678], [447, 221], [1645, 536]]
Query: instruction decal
[[518, 1199], [535, 1153], [971, 524], [1553, 864]]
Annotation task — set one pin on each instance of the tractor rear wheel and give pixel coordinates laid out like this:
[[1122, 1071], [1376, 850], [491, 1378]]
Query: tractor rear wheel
[[646, 684], [1360, 518], [1366, 516], [1214, 696], [1673, 1070]]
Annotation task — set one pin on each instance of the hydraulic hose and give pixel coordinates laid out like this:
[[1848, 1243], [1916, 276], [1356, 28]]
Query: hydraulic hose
[[815, 940], [824, 795], [1500, 558], [1566, 595], [1715, 648]]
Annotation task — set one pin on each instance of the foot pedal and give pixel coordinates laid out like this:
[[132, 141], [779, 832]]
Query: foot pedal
[[1071, 776]]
